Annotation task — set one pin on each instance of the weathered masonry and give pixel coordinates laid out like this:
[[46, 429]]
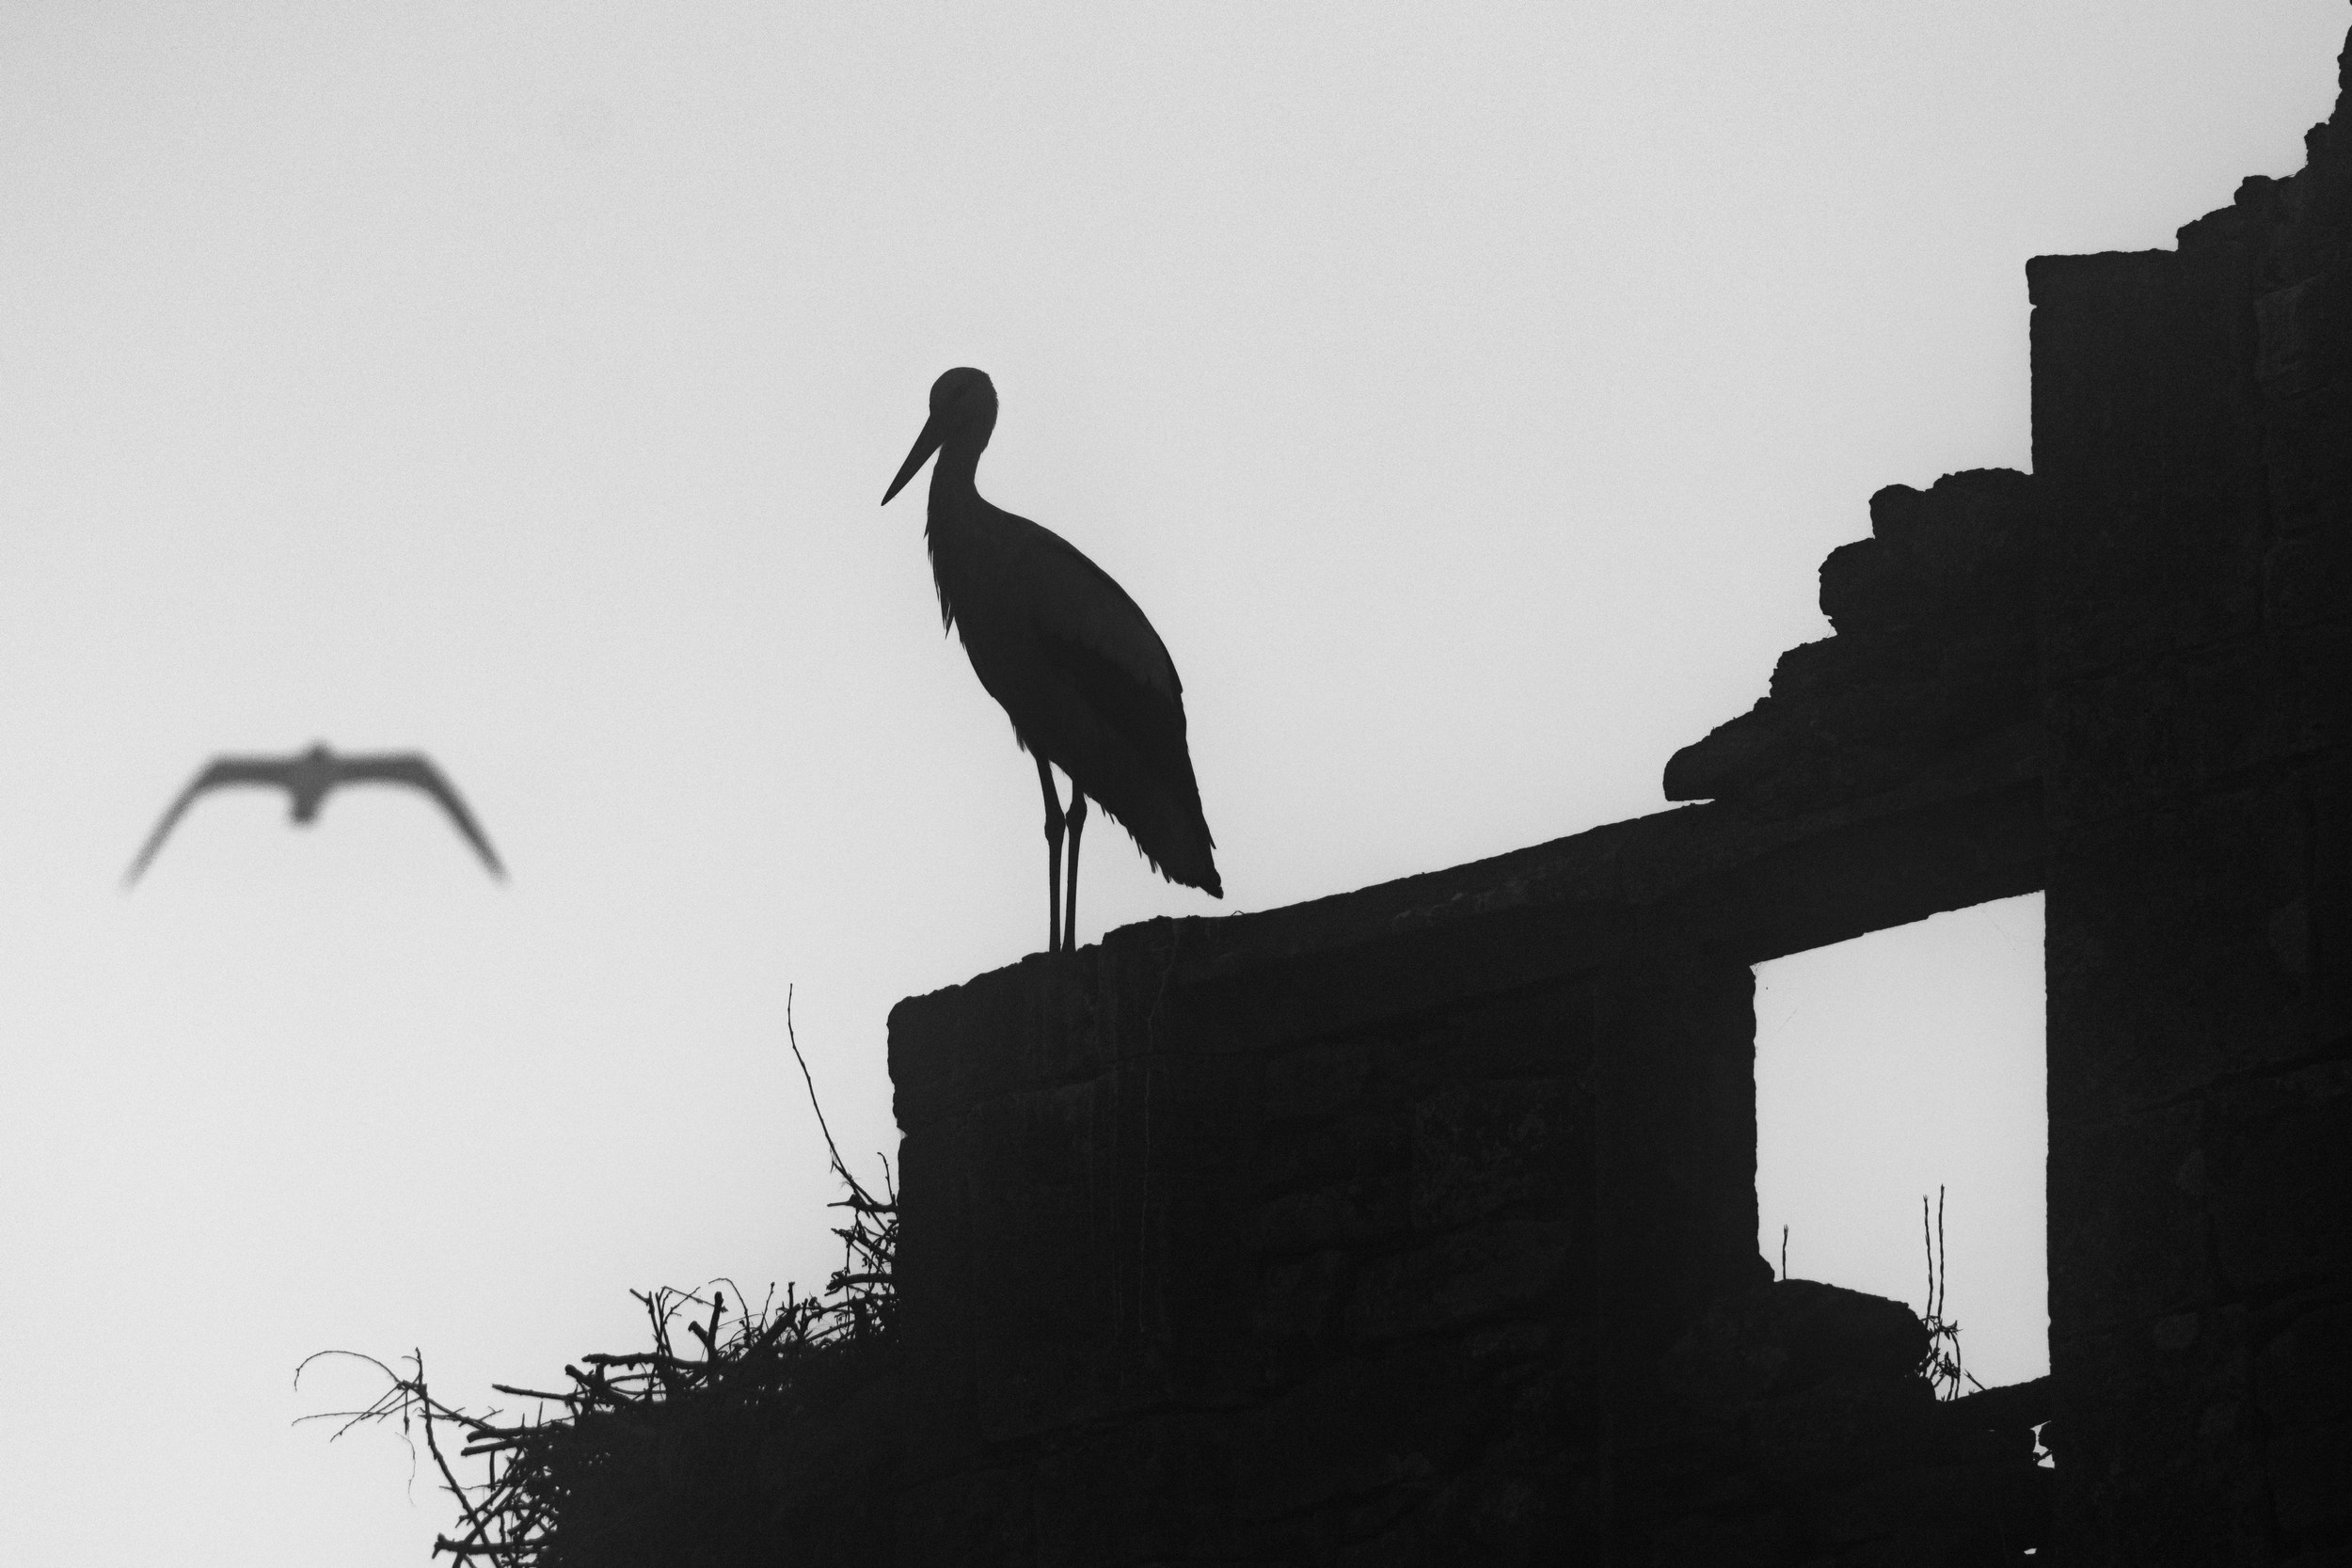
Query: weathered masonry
[[1382, 1229], [1264, 1238], [2193, 440]]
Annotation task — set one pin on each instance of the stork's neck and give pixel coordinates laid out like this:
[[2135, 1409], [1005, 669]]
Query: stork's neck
[[955, 486]]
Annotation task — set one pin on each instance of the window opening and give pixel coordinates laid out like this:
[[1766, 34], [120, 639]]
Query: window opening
[[1890, 1065]]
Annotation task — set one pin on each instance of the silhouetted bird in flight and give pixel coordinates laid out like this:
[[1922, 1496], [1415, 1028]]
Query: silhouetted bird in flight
[[308, 776], [1086, 682]]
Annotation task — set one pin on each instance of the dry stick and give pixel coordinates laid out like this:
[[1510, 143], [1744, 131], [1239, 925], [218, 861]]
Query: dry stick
[[1943, 1265], [433, 1444], [1945, 1367], [404, 1393], [487, 1548], [1926, 1245], [793, 1037], [415, 1392], [860, 1201]]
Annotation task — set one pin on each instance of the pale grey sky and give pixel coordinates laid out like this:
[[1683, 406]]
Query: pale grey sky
[[1468, 398]]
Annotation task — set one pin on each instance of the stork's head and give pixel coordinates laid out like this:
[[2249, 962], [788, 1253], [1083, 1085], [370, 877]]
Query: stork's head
[[963, 412], [963, 393]]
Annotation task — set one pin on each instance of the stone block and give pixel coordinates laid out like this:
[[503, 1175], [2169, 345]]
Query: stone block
[[2307, 469], [2006, 1507], [1506, 1517], [982, 1517], [1912, 1547], [2307, 578], [1685, 1472], [2158, 950], [2310, 1480], [2302, 1376], [2278, 1162], [2150, 734], [2326, 918], [1503, 1517], [2160, 1456], [1542, 1034], [2009, 1407], [1481, 1147], [2303, 1390], [2187, 580], [1407, 970], [1783, 1338], [944, 1048], [1991, 1426], [2129, 1235], [1295, 1315], [2303, 339], [1841, 1429], [1320, 1080], [1464, 1277], [1963, 1445], [1346, 1213], [1370, 1141], [1373, 1424], [1155, 1488], [2316, 673], [1763, 1539], [1344, 1178], [2148, 449]]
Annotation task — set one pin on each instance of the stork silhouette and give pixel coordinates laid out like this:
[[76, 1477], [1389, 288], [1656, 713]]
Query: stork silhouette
[[1085, 681], [308, 776]]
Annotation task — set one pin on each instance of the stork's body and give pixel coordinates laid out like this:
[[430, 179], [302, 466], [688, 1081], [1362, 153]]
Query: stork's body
[[1086, 682]]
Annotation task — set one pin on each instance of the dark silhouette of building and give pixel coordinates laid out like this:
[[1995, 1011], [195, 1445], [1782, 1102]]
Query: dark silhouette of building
[[1418, 1225]]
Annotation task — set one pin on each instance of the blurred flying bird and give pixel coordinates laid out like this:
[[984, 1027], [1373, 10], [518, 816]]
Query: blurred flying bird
[[308, 777], [1086, 682]]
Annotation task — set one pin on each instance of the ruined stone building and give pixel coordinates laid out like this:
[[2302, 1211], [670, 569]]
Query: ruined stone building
[[1417, 1224]]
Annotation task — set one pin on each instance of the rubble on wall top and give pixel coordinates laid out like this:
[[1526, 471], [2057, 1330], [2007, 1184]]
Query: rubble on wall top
[[1930, 670]]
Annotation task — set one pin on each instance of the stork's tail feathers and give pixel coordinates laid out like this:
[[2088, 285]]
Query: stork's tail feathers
[[1194, 865], [1171, 834]]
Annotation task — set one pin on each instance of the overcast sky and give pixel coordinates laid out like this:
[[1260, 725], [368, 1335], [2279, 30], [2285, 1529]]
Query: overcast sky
[[1469, 396]]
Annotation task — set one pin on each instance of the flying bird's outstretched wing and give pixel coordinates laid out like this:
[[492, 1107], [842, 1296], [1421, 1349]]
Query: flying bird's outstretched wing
[[275, 771], [415, 770]]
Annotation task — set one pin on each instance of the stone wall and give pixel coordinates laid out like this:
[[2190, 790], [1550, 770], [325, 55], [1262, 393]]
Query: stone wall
[[1793, 1427], [1361, 1230], [2193, 434]]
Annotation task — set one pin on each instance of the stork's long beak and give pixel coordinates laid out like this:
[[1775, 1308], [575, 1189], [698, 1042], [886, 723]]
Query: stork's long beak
[[925, 445]]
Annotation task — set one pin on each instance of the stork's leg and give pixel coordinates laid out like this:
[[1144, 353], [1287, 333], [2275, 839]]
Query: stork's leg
[[1053, 855], [1077, 821]]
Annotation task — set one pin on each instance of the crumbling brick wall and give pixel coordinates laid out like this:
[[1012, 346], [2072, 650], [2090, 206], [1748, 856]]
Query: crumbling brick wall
[[2193, 437], [1793, 1427], [1366, 1225]]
